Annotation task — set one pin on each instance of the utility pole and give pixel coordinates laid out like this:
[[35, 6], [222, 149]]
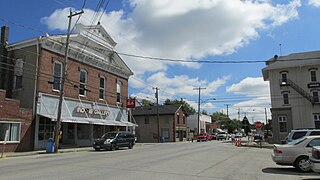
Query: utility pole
[[265, 113], [238, 118], [227, 110], [64, 74], [158, 122], [199, 89]]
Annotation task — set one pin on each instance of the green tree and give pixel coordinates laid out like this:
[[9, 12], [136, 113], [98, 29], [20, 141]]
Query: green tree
[[225, 122], [145, 102], [186, 106]]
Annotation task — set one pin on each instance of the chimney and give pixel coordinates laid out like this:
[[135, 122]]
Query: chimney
[[3, 55]]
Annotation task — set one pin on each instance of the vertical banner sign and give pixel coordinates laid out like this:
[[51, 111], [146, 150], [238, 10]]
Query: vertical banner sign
[[131, 103], [4, 142]]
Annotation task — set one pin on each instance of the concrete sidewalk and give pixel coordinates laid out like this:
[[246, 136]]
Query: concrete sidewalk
[[262, 144], [62, 150]]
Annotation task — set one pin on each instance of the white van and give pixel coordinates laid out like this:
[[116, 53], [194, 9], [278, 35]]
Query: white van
[[299, 133]]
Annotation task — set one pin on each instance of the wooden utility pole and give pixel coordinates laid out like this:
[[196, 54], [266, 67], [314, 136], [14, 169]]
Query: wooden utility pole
[[199, 89], [64, 74], [158, 121]]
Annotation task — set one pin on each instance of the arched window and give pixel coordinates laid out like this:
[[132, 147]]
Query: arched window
[[83, 82]]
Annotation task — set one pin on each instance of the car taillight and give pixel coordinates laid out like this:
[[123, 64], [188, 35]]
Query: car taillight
[[277, 151], [316, 153]]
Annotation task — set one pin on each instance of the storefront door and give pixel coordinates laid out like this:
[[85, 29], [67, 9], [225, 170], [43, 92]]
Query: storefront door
[[69, 133]]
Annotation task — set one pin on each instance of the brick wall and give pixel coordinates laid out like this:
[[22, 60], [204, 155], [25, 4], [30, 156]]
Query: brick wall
[[10, 111], [73, 77]]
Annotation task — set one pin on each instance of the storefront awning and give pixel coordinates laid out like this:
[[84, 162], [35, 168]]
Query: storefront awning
[[89, 121]]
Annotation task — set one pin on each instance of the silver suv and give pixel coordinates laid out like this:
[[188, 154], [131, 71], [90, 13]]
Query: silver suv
[[299, 133]]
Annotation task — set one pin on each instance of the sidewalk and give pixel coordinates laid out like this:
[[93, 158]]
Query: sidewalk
[[63, 150], [262, 144]]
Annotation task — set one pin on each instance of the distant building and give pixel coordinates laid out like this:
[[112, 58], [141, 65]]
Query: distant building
[[96, 86], [294, 87], [172, 120], [204, 123]]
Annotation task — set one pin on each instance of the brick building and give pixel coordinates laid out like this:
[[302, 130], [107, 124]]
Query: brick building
[[95, 90], [17, 122], [172, 122]]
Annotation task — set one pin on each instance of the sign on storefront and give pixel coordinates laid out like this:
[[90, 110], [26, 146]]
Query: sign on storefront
[[91, 111], [131, 103]]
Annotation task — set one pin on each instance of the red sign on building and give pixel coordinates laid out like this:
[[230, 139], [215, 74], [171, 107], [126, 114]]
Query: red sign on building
[[131, 103]]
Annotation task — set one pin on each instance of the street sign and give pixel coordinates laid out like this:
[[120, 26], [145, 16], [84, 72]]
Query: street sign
[[258, 125], [131, 103]]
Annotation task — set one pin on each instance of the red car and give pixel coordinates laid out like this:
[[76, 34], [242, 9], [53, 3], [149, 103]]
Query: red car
[[204, 137]]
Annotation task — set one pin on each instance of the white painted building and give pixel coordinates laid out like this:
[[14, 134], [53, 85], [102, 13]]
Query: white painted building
[[294, 87], [204, 123]]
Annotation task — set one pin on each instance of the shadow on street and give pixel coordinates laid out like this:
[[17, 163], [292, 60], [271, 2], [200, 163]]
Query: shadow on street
[[287, 171]]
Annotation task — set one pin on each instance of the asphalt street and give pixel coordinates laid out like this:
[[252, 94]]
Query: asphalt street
[[197, 160]]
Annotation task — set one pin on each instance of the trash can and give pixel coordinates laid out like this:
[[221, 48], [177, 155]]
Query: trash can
[[162, 140], [50, 146]]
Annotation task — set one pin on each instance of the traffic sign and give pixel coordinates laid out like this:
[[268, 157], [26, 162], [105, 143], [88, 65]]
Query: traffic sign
[[258, 125]]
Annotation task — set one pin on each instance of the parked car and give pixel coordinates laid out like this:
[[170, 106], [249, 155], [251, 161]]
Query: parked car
[[222, 135], [257, 137], [214, 136], [202, 137], [299, 133], [315, 159], [114, 140], [295, 153]]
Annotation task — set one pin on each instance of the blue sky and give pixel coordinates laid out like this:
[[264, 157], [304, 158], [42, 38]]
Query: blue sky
[[213, 30]]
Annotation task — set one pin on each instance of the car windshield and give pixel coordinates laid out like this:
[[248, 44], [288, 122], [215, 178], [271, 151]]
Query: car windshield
[[297, 141], [109, 135]]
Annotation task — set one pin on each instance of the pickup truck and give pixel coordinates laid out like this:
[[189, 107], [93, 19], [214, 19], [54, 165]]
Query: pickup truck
[[204, 137]]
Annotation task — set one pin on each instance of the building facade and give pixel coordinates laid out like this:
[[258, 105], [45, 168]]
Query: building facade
[[15, 125], [172, 122], [294, 86], [205, 124], [95, 90]]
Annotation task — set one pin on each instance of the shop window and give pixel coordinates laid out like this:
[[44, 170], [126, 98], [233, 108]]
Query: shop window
[[102, 88], [13, 131], [146, 120], [46, 129], [313, 75], [316, 121], [18, 71], [83, 131], [57, 74], [283, 123], [83, 81]]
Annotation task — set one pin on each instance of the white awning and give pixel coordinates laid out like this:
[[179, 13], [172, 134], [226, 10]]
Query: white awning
[[89, 121]]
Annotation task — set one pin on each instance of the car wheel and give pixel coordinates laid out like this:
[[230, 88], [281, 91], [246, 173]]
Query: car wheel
[[97, 149], [302, 164], [130, 145], [113, 147]]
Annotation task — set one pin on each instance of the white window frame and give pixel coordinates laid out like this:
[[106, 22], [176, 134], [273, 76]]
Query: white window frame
[[103, 89], [119, 89], [286, 94], [315, 75], [83, 83], [19, 131], [282, 80], [283, 119], [54, 65]]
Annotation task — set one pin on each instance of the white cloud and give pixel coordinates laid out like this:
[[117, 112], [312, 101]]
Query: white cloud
[[184, 85], [315, 3], [250, 86], [183, 29], [259, 91]]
